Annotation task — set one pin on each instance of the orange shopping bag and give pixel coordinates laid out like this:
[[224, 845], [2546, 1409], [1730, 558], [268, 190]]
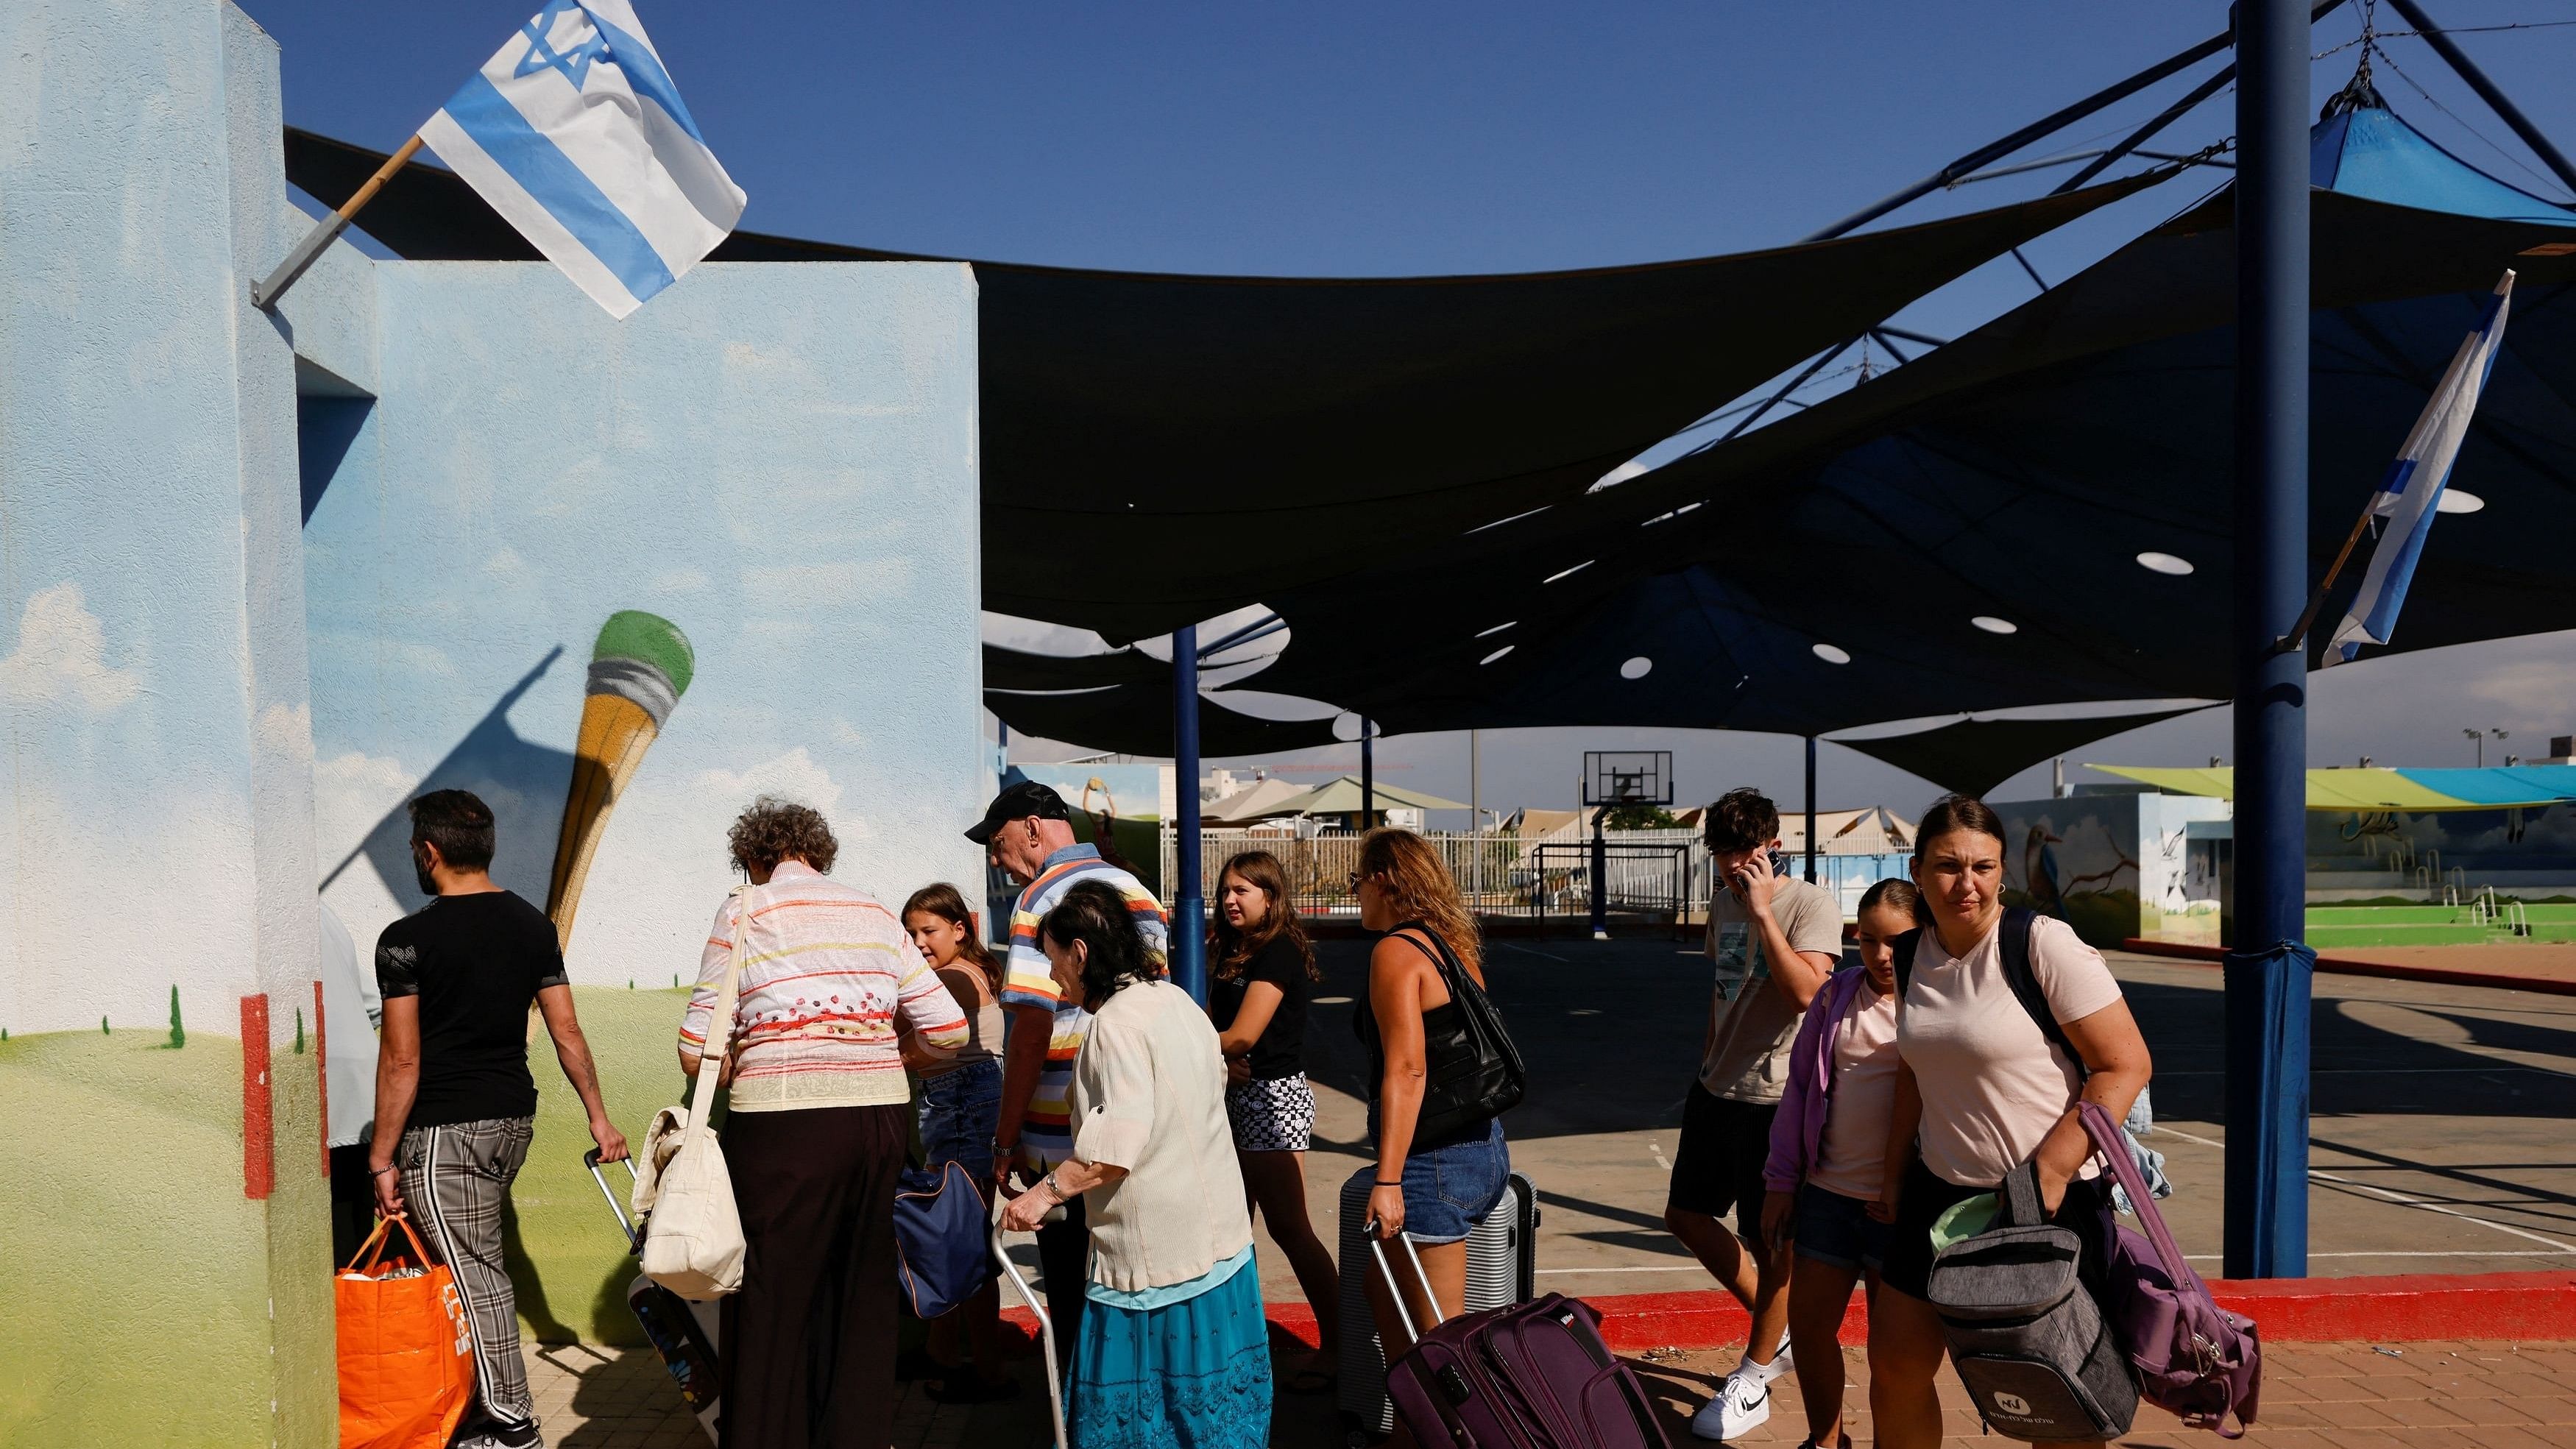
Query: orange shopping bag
[[406, 1351]]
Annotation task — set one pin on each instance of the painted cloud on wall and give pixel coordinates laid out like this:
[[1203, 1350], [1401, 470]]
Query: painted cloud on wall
[[61, 657]]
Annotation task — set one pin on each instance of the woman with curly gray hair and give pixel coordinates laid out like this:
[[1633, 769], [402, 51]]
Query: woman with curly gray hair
[[817, 1129]]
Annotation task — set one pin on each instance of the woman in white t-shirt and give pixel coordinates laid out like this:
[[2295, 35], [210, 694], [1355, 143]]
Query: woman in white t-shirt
[[1980, 1090]]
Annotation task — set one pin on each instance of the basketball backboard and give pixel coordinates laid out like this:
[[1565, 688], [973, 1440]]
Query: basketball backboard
[[1627, 777]]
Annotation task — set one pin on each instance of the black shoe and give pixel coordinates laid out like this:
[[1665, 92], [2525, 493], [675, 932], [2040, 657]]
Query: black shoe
[[915, 1364], [965, 1386]]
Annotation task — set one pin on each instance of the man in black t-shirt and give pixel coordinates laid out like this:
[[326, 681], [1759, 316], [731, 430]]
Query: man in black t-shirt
[[455, 1105]]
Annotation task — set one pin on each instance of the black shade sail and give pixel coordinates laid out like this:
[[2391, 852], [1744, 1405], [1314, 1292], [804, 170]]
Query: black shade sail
[[1136, 719], [1018, 669], [1831, 570], [1139, 429], [1973, 756]]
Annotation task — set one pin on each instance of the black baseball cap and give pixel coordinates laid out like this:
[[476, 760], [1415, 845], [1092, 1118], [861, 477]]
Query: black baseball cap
[[1018, 801]]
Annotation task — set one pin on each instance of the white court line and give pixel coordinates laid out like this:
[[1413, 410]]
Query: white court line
[[2498, 1253], [2401, 1071], [2395, 1197]]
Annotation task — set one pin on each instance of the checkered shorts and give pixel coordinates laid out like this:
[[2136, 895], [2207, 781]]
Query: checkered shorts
[[1272, 1116]]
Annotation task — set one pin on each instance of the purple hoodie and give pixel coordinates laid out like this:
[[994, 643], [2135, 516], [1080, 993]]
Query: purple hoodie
[[1798, 1130]]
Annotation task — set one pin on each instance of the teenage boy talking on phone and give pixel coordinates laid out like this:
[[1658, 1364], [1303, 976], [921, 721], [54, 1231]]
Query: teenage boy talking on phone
[[1775, 940]]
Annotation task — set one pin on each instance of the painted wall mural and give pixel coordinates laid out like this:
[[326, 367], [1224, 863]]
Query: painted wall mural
[[2113, 866], [619, 579]]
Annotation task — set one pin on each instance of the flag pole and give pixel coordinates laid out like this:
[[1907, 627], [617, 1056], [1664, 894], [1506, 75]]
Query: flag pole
[[2298, 635], [265, 295]]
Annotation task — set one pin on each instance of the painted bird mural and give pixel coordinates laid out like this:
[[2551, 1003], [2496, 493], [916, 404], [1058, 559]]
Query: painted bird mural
[[2039, 873]]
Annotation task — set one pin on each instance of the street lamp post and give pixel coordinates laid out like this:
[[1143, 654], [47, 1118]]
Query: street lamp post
[[2480, 738]]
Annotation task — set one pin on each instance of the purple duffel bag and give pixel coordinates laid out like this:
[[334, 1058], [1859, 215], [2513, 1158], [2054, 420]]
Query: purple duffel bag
[[1532, 1375], [2194, 1358]]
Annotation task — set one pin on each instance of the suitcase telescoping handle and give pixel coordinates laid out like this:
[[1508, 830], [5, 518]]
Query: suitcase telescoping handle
[[1377, 1249], [1046, 1325], [590, 1160]]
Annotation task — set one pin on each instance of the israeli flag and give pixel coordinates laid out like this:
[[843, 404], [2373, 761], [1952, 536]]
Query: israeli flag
[[575, 134], [2412, 493]]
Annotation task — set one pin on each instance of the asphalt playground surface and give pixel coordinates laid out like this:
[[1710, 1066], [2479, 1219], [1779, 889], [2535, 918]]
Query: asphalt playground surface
[[2440, 1140]]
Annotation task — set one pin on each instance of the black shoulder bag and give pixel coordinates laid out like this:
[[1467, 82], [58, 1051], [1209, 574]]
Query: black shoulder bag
[[1471, 1071]]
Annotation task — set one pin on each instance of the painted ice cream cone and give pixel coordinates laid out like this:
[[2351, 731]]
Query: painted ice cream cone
[[638, 671]]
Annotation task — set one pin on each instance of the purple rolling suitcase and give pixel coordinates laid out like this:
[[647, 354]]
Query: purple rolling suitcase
[[1533, 1375]]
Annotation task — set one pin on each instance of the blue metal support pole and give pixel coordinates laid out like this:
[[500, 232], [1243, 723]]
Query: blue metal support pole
[[2267, 965], [1811, 809], [1189, 908], [1368, 773]]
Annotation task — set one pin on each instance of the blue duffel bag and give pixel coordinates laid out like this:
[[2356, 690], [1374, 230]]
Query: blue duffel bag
[[942, 1254]]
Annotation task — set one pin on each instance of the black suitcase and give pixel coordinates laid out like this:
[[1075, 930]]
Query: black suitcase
[[1502, 1268], [682, 1332]]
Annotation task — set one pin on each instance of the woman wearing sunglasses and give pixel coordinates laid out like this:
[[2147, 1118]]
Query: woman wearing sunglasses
[[1432, 1185]]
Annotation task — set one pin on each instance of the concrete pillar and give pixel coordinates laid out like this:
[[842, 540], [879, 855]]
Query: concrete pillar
[[165, 1206]]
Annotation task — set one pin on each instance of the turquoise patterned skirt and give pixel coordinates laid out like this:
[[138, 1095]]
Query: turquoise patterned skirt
[[1188, 1375]]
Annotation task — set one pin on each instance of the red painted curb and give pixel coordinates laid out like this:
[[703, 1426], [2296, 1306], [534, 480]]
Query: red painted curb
[[2539, 1306], [2412, 1306], [2340, 966], [2525, 1306]]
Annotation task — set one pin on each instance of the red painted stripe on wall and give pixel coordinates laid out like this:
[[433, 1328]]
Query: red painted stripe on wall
[[259, 1120], [322, 1077]]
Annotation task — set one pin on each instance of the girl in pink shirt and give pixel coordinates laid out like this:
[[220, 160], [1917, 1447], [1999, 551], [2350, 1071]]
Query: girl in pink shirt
[[1829, 1151]]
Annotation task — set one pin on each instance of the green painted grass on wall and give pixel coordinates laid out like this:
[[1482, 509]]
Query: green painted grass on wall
[[137, 1269]]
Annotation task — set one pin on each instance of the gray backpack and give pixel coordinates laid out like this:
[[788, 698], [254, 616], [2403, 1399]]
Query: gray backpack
[[2024, 1332]]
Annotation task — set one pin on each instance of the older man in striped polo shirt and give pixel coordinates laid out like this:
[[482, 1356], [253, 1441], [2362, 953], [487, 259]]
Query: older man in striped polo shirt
[[1028, 832]]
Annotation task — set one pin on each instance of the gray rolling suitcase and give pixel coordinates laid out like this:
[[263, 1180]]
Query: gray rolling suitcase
[[1502, 1266]]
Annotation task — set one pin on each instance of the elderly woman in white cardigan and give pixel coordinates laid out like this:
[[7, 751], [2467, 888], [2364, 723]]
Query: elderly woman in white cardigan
[[1174, 1351]]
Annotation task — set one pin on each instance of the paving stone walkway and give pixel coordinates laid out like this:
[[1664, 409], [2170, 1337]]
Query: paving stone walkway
[[2465, 1395]]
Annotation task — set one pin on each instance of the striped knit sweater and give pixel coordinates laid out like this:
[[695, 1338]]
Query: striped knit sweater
[[827, 973]]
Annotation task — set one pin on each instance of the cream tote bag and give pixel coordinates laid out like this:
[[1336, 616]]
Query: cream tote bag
[[683, 1194]]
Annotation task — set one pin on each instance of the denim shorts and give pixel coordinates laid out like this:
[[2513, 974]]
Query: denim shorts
[[959, 1110], [1838, 1230], [1448, 1190]]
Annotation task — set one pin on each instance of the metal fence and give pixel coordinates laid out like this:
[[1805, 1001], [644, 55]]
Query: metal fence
[[1656, 873], [1319, 867]]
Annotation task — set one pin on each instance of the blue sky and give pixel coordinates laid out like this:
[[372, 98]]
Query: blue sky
[[1346, 139]]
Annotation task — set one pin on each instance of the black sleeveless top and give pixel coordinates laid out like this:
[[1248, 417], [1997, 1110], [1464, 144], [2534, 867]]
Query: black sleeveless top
[[1444, 1032]]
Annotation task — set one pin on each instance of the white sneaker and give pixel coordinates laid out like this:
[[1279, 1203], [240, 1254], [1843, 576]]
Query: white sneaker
[[1742, 1402]]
